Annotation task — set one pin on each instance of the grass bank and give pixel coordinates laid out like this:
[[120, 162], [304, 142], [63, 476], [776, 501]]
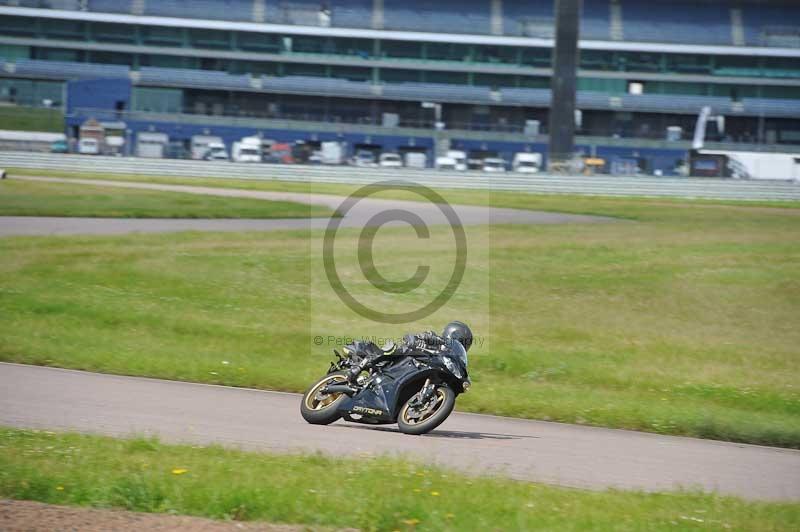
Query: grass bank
[[32, 198], [371, 494], [682, 322], [625, 207], [18, 118]]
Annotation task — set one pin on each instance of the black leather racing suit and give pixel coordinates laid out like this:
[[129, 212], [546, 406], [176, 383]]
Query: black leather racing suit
[[424, 340], [411, 342]]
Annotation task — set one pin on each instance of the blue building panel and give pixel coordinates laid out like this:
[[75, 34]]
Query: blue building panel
[[108, 94]]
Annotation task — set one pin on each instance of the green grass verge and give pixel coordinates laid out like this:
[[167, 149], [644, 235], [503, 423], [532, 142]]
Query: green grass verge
[[680, 323], [31, 119], [31, 198], [625, 207], [371, 494]]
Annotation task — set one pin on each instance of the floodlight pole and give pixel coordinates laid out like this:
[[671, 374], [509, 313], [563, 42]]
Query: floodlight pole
[[563, 83]]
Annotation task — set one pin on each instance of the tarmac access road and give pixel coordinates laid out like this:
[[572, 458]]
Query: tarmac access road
[[360, 215]]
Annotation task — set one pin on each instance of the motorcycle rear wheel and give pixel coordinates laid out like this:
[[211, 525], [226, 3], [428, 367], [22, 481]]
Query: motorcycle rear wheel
[[324, 411], [446, 401]]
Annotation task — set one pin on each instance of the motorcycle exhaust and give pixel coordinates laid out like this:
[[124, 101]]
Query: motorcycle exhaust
[[340, 388]]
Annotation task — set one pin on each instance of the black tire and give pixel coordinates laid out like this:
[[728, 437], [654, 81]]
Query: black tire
[[443, 410], [326, 414]]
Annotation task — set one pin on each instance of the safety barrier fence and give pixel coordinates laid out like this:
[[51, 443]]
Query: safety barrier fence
[[703, 188]]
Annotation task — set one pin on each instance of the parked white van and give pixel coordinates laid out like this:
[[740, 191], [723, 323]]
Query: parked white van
[[151, 144], [527, 163], [390, 160], [200, 145], [416, 160], [460, 158], [446, 163], [332, 152], [88, 146], [216, 152], [244, 152], [494, 164]]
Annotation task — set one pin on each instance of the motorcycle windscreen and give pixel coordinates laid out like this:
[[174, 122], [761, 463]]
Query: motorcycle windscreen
[[457, 350]]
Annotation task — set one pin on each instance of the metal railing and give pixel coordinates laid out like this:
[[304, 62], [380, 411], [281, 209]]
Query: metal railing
[[289, 13], [534, 183]]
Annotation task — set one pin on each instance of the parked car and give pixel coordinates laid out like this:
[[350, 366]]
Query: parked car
[[390, 160], [316, 158], [59, 146], [176, 149], [279, 153], [446, 163], [364, 159], [494, 164], [216, 152]]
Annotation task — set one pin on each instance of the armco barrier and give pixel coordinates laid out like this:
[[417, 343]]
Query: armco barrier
[[543, 183]]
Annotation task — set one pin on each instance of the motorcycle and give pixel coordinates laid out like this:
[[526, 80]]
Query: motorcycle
[[416, 388]]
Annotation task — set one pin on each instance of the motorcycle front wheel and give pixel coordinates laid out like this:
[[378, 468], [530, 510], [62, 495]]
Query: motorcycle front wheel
[[410, 422], [321, 409]]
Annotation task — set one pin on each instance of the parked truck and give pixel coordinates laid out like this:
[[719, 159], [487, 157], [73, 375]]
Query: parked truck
[[745, 165], [459, 159], [216, 152], [151, 145], [526, 162], [33, 141], [88, 146], [200, 145], [279, 153], [332, 152], [416, 159], [91, 137], [247, 150]]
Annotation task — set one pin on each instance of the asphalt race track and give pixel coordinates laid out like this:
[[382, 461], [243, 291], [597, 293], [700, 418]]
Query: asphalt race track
[[359, 216], [569, 455]]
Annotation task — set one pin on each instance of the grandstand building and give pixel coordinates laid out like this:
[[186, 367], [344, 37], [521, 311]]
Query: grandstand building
[[361, 69]]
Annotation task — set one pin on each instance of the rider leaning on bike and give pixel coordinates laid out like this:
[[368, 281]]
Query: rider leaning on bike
[[455, 331]]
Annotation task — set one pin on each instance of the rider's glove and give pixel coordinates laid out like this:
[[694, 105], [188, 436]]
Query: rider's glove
[[413, 342], [353, 373], [356, 370], [432, 339]]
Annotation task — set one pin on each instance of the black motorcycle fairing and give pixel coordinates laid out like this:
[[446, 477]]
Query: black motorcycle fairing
[[378, 399], [414, 384], [382, 399], [395, 378]]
